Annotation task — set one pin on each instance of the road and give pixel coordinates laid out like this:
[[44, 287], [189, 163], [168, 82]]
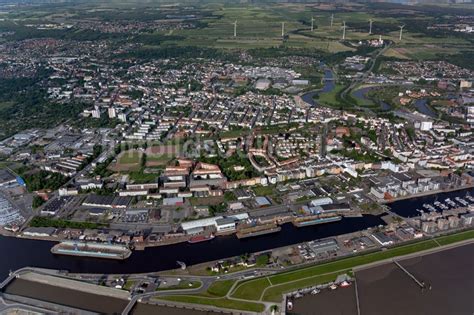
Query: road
[[6, 307]]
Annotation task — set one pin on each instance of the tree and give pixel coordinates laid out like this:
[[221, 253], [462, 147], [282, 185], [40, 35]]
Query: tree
[[143, 160], [37, 202]]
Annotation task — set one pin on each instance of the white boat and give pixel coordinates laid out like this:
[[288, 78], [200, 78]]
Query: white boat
[[315, 291], [461, 201], [345, 284], [333, 287], [289, 305]]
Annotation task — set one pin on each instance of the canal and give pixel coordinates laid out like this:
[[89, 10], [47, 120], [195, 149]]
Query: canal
[[18, 253]]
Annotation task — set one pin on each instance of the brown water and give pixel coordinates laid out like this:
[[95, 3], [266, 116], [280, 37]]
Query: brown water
[[90, 302], [327, 303], [388, 290], [67, 297]]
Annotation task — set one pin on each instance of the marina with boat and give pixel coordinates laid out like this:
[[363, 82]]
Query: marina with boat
[[466, 201]]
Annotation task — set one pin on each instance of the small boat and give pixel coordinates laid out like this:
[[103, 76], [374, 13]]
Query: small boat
[[315, 291], [200, 238], [461, 201], [345, 284], [289, 305], [333, 287]]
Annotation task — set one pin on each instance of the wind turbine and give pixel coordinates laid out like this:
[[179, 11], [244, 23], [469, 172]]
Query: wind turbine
[[370, 26], [312, 23], [235, 28], [401, 31], [332, 19], [343, 30], [282, 29]]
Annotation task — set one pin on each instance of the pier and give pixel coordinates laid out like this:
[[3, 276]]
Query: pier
[[419, 283], [130, 305]]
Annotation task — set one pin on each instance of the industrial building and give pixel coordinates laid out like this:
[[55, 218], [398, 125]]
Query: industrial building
[[382, 239], [8, 213], [106, 201], [324, 246], [468, 219], [220, 223], [7, 178]]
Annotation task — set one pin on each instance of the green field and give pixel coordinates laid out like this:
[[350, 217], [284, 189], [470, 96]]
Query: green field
[[130, 157], [217, 302], [220, 288], [182, 285], [274, 293], [449, 239], [129, 284], [330, 98], [263, 190], [269, 288], [159, 158], [251, 290]]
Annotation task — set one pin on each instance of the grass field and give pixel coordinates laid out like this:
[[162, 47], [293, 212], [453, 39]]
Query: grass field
[[158, 160], [274, 293], [182, 285], [270, 288], [206, 201], [330, 98], [220, 288], [130, 157], [263, 190], [449, 239], [218, 302], [129, 284], [251, 290]]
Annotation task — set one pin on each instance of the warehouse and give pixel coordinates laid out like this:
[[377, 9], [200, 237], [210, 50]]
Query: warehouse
[[197, 226], [106, 201], [225, 224], [8, 213], [382, 239], [220, 223], [7, 178], [324, 246]]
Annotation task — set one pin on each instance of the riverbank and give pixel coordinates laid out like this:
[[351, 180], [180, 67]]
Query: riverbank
[[262, 292], [26, 252]]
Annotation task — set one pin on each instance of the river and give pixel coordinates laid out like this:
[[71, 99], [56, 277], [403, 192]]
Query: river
[[329, 85], [421, 105], [18, 253], [361, 94]]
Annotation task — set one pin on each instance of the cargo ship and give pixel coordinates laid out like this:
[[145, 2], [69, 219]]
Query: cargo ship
[[92, 249], [308, 221], [200, 238], [257, 230]]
